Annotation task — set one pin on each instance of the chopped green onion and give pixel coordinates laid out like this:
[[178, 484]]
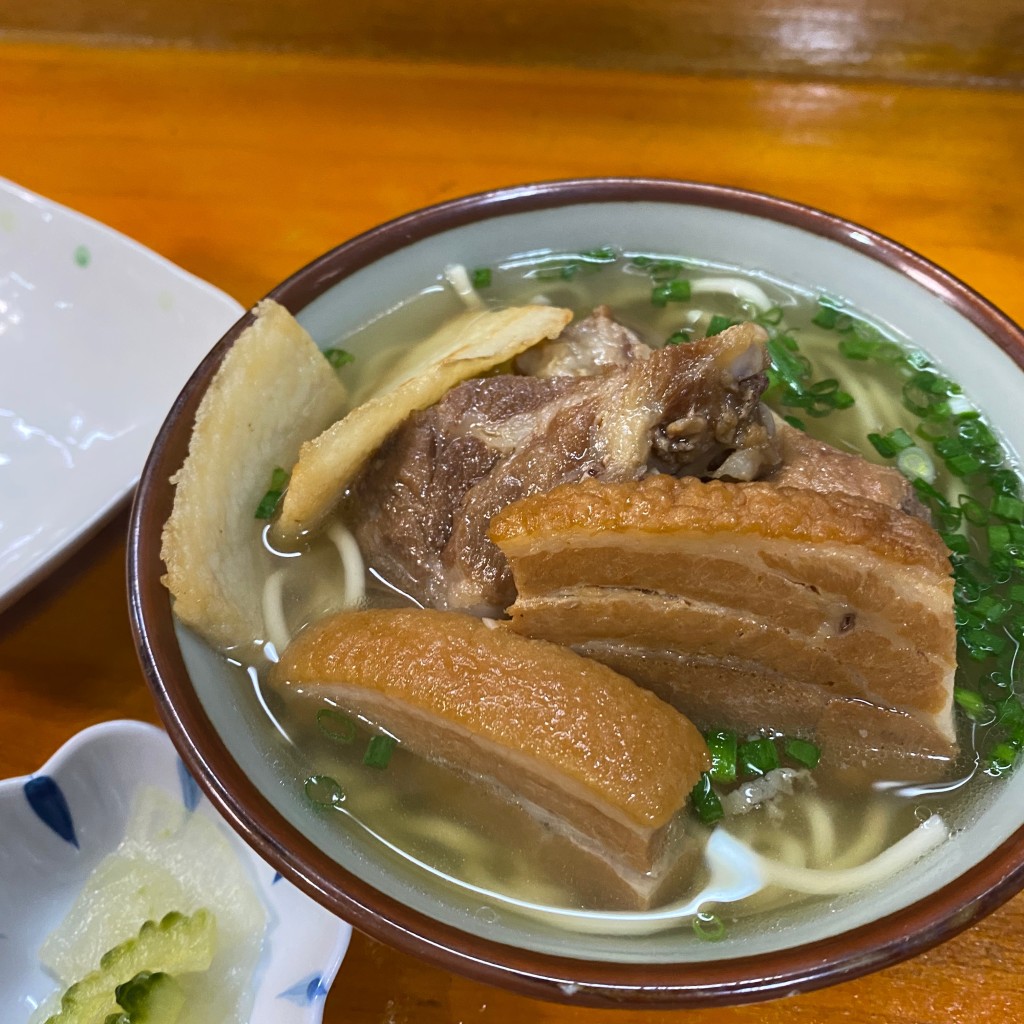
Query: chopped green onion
[[999, 537], [705, 801], [338, 357], [717, 325], [378, 753], [974, 705], [1007, 507], [269, 502], [826, 316], [603, 254], [790, 380], [337, 726], [983, 643], [1005, 481], [708, 927], [722, 745], [1002, 758], [974, 512], [558, 272], [988, 609], [856, 348], [888, 445], [802, 751], [757, 757], [963, 465], [956, 542], [770, 317], [914, 463], [481, 277], [680, 337], [670, 291]]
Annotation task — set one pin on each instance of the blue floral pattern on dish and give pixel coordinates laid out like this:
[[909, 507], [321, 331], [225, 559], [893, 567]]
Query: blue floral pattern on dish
[[47, 799], [305, 992], [191, 794]]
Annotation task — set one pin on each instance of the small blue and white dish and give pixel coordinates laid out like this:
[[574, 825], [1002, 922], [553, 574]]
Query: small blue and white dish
[[61, 821]]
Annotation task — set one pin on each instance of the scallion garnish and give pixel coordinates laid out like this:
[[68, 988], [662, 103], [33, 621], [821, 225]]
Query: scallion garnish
[[826, 316], [481, 277], [565, 266], [378, 753], [1006, 507], [681, 337], [915, 463], [708, 927], [658, 269], [670, 291], [338, 726], [974, 511], [716, 325], [770, 317], [802, 751], [704, 799], [974, 705], [757, 757], [1002, 758], [269, 502], [338, 357], [790, 380], [722, 745]]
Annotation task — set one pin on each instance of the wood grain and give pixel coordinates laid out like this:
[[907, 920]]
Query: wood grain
[[904, 40], [241, 167]]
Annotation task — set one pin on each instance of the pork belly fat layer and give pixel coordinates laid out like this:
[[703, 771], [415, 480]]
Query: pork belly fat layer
[[828, 591], [852, 733], [570, 735]]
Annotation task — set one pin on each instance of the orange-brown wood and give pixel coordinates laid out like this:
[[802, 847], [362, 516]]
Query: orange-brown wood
[[978, 42], [242, 167]]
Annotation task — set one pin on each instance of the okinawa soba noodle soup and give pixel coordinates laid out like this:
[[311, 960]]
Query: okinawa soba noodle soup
[[835, 375]]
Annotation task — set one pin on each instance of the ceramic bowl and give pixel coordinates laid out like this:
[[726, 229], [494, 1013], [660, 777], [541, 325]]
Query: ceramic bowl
[[59, 822], [220, 732]]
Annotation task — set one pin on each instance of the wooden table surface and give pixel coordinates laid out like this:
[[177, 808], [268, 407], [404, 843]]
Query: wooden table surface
[[243, 167]]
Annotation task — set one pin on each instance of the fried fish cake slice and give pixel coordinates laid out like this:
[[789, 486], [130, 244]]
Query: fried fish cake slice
[[272, 391]]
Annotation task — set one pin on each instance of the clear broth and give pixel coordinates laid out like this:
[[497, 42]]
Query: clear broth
[[461, 829]]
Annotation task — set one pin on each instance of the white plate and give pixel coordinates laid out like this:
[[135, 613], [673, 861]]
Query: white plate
[[97, 336], [59, 822]]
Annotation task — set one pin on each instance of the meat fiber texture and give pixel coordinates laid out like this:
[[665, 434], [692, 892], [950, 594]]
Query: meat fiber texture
[[563, 734], [422, 506], [469, 345], [273, 390], [751, 605]]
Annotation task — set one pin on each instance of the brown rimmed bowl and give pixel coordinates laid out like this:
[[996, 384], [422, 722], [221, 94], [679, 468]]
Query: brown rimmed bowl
[[217, 725]]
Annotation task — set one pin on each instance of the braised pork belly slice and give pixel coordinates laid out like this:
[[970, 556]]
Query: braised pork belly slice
[[421, 507], [750, 605], [564, 735]]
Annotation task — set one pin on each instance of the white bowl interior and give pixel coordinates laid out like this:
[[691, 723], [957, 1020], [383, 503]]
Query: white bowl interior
[[783, 252]]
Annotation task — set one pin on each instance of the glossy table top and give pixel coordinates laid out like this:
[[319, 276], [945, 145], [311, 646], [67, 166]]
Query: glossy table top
[[241, 168]]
